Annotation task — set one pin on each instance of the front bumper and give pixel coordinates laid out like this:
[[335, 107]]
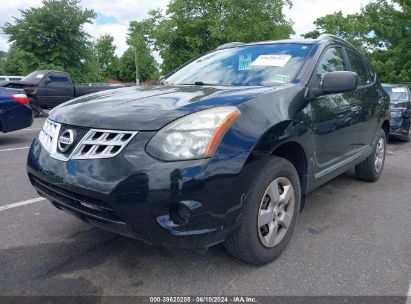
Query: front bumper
[[136, 195], [400, 127]]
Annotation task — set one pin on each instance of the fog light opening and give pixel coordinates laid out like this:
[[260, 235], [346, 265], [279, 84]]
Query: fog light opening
[[180, 214]]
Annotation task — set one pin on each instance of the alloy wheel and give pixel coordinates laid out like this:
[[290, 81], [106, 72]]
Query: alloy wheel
[[379, 155], [276, 212]]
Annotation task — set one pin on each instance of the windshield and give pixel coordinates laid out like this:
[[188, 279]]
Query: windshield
[[254, 65], [397, 93], [34, 77]]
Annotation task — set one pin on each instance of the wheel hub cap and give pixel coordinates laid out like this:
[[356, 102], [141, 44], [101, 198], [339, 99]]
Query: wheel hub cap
[[276, 212], [379, 155]]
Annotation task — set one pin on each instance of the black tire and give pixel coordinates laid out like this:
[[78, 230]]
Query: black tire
[[245, 243], [368, 170]]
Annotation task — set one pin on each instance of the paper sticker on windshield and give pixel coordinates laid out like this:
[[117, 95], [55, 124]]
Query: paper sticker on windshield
[[280, 78], [39, 76], [244, 62], [398, 90], [271, 60]]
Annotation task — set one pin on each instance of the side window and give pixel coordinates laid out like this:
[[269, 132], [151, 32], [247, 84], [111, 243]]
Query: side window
[[358, 66], [58, 79], [372, 72], [332, 60]]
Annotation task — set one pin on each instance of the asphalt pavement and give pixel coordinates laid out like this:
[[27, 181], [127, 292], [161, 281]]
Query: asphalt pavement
[[352, 239]]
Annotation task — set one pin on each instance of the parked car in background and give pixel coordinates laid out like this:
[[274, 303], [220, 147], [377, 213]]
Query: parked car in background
[[225, 150], [15, 112], [400, 95], [51, 88], [10, 78]]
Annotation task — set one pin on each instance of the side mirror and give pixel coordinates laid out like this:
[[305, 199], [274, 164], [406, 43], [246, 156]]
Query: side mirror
[[48, 80], [334, 83]]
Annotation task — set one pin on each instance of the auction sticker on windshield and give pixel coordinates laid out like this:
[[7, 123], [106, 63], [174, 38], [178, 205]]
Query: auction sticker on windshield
[[271, 60]]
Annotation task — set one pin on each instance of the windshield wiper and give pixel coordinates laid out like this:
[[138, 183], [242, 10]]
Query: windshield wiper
[[200, 83]]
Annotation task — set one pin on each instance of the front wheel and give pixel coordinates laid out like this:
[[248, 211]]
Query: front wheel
[[370, 170], [269, 215]]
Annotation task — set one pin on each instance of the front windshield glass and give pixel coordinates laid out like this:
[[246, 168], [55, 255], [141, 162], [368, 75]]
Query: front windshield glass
[[34, 77], [253, 65], [396, 93]]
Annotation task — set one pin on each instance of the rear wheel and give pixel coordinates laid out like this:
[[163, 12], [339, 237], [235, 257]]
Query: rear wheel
[[269, 214], [370, 170]]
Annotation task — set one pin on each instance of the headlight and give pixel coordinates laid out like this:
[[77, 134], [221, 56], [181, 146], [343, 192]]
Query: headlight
[[193, 136]]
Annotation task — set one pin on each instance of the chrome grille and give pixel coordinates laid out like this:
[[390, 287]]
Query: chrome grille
[[102, 144], [94, 144]]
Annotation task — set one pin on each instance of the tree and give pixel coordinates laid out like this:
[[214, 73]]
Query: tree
[[189, 28], [3, 56], [139, 41], [351, 28], [52, 36], [107, 59], [147, 65], [11, 64], [381, 30]]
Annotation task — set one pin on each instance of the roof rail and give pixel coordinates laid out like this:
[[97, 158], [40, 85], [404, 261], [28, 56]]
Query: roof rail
[[230, 45], [328, 36], [333, 37]]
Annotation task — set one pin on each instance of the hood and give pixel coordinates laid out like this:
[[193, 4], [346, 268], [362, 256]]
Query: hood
[[148, 108], [18, 83]]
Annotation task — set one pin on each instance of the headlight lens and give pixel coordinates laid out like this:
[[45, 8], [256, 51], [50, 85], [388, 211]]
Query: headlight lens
[[193, 136]]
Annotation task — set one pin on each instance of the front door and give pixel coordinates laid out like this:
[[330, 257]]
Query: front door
[[56, 90], [336, 117]]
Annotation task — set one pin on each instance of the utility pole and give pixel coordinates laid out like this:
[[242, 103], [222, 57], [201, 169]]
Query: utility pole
[[136, 63]]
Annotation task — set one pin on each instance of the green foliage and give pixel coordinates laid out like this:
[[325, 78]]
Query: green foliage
[[11, 63], [381, 30], [138, 39], [3, 56], [52, 36], [189, 28], [147, 66], [107, 59]]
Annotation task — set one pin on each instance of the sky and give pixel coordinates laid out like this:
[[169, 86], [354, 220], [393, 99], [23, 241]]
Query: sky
[[113, 17]]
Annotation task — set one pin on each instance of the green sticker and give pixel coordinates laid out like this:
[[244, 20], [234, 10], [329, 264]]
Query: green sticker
[[280, 78], [244, 62]]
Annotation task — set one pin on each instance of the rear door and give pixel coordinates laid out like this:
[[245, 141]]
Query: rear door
[[336, 117], [369, 98], [56, 89]]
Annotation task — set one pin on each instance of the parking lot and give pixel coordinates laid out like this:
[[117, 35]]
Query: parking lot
[[353, 238]]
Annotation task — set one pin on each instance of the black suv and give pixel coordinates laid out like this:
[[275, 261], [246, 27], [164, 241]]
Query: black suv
[[225, 149], [400, 110]]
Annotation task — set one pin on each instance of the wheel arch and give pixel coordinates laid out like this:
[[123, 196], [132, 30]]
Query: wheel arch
[[386, 127], [294, 152]]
